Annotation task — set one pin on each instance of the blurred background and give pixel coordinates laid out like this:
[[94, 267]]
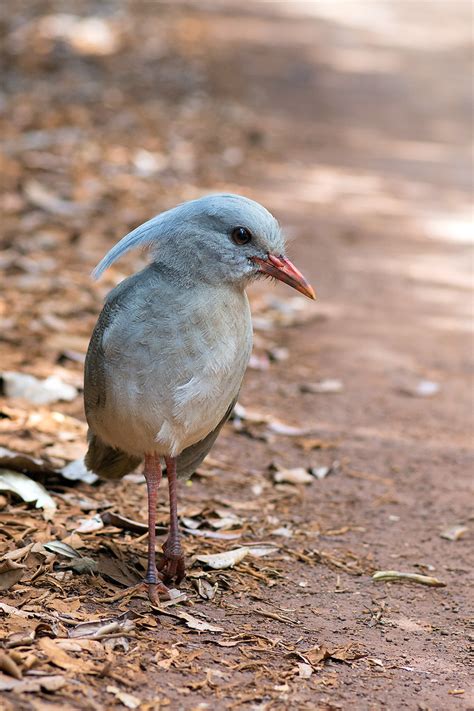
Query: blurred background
[[352, 122]]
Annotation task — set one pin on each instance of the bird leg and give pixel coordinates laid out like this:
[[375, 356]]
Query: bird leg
[[172, 563], [152, 473]]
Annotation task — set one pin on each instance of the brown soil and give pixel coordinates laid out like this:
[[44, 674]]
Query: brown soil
[[350, 122]]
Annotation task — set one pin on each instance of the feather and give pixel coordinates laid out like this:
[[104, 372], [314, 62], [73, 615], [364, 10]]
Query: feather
[[142, 236]]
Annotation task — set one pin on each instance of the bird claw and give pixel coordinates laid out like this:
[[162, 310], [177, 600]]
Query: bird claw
[[156, 589], [171, 565]]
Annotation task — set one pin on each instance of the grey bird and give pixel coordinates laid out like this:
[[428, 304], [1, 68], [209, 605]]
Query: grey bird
[[170, 348]]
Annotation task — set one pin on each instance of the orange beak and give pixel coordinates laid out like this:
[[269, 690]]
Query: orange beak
[[281, 268]]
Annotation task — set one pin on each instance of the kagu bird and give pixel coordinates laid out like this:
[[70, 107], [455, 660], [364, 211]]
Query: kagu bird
[[167, 356]]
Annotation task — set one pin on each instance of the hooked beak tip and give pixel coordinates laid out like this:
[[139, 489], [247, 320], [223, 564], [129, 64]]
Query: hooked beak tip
[[281, 268]]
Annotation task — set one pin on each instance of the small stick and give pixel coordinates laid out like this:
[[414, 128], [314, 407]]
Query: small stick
[[388, 575]]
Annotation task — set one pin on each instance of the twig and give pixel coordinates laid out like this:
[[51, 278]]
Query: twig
[[388, 575]]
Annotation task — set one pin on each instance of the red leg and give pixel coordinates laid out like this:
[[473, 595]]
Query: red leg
[[172, 564], [153, 478]]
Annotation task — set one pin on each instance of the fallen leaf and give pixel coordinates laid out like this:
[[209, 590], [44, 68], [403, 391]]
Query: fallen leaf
[[281, 428], [128, 700], [10, 610], [422, 388], [229, 520], [10, 573], [19, 553], [194, 623], [31, 684], [328, 385], [293, 476], [216, 535], [205, 590], [261, 551], [304, 670], [242, 413], [454, 533], [113, 519], [9, 666], [23, 462], [282, 531], [321, 653], [61, 549], [166, 663], [93, 36], [97, 629], [89, 525], [77, 471], [27, 489], [60, 658], [36, 391], [79, 563], [320, 472], [394, 575], [219, 561], [117, 570]]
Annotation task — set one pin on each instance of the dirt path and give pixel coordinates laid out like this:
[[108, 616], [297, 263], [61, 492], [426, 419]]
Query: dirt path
[[350, 122]]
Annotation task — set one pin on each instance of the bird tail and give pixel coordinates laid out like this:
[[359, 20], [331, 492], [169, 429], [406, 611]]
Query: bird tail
[[108, 462]]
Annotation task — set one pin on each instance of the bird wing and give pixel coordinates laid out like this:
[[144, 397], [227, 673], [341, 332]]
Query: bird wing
[[94, 368], [95, 382]]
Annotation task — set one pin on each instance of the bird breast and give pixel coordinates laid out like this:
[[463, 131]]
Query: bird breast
[[173, 365]]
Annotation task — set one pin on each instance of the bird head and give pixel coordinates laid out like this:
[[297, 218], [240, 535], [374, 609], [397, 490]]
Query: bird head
[[215, 239]]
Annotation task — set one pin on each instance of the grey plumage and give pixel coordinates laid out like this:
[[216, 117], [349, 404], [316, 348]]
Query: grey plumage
[[169, 351]]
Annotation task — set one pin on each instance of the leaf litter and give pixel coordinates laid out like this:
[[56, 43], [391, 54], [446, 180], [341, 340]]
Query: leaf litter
[[57, 223]]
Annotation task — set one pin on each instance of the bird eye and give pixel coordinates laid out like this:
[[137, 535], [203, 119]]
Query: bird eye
[[241, 235]]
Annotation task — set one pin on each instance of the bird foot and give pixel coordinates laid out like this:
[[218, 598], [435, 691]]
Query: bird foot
[[171, 565], [156, 589]]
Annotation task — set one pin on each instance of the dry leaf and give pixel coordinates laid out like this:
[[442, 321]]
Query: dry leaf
[[23, 462], [60, 658], [293, 476], [61, 549], [205, 589], [10, 573], [10, 610], [9, 666], [219, 561], [281, 428], [38, 392], [102, 627], [261, 551], [329, 385], [32, 684], [454, 533], [196, 624], [216, 535], [27, 489], [304, 670], [128, 700], [77, 471], [113, 519], [423, 388], [89, 525]]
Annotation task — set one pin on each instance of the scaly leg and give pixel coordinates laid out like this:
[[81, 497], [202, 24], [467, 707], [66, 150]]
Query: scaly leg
[[172, 563], [153, 478]]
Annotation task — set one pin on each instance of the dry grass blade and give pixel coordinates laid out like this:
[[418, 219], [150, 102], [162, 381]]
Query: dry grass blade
[[395, 575]]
